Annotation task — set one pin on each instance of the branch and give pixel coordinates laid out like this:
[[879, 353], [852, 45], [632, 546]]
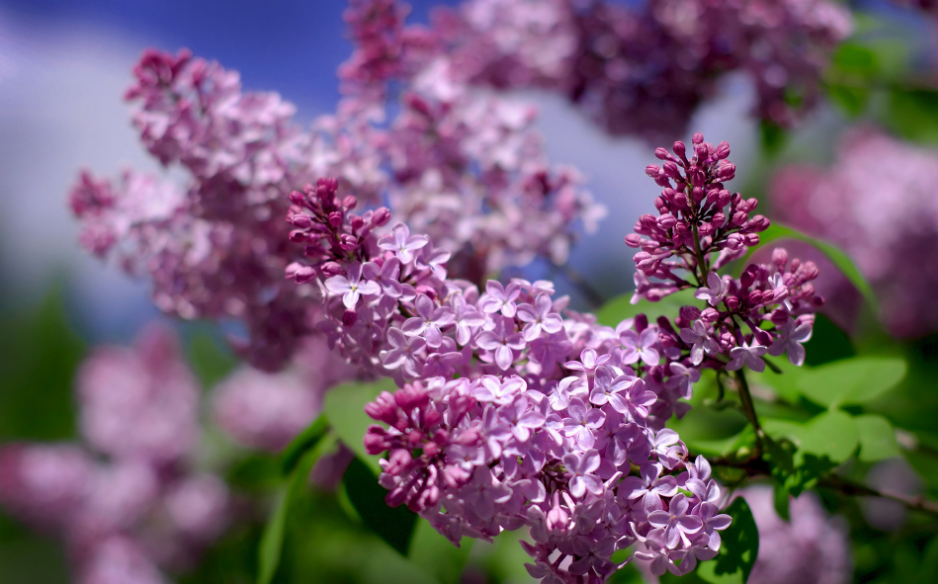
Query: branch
[[749, 409], [756, 466]]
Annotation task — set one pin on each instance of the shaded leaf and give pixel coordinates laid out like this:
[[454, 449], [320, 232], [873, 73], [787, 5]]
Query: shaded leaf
[[913, 113], [271, 545], [395, 525], [739, 549], [877, 438], [851, 381], [306, 440], [344, 407]]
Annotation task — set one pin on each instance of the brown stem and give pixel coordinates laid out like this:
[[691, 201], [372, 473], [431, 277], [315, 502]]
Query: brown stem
[[749, 409]]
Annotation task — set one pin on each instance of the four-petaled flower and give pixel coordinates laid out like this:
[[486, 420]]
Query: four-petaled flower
[[714, 291], [700, 342], [676, 523], [791, 335], [500, 299], [503, 341], [402, 243], [404, 352], [539, 317], [640, 346], [351, 286], [747, 355], [581, 470], [580, 422], [429, 320]]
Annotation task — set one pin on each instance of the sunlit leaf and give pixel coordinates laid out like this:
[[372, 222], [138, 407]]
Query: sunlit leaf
[[621, 307], [851, 381], [437, 555], [877, 438], [344, 407]]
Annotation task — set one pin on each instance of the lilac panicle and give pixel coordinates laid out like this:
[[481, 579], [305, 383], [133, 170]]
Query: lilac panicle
[[512, 410], [645, 70]]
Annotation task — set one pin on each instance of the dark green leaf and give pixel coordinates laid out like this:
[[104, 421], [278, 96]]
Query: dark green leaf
[[777, 232], [739, 549], [271, 544], [773, 137], [828, 343], [395, 525], [621, 307], [781, 501], [344, 407], [913, 113], [877, 438], [851, 381], [306, 440], [852, 100], [437, 555]]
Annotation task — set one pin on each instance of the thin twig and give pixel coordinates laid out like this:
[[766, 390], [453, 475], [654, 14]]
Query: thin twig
[[749, 409]]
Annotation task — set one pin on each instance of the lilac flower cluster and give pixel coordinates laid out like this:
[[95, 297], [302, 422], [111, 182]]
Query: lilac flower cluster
[[818, 541], [144, 508], [464, 166], [699, 229], [646, 70], [513, 411], [877, 203]]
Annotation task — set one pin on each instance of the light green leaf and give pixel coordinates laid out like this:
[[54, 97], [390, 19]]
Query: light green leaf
[[739, 550], [621, 307], [877, 438], [851, 381], [832, 435], [777, 232], [344, 407]]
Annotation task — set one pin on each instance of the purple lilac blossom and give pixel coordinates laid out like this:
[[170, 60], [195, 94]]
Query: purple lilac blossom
[[645, 70], [487, 434], [818, 541], [127, 502], [877, 202]]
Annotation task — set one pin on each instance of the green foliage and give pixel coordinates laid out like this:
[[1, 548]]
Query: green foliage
[[739, 550], [211, 360], [913, 114], [271, 543], [877, 438], [621, 307], [395, 525], [344, 407], [851, 381], [39, 356], [307, 439]]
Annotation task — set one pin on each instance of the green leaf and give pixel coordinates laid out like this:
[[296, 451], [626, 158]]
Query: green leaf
[[621, 307], [437, 555], [777, 232], [773, 137], [832, 435], [913, 113], [739, 549], [211, 359], [271, 544], [395, 525], [306, 440], [344, 407], [781, 499], [852, 100], [828, 343], [877, 438], [851, 381]]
